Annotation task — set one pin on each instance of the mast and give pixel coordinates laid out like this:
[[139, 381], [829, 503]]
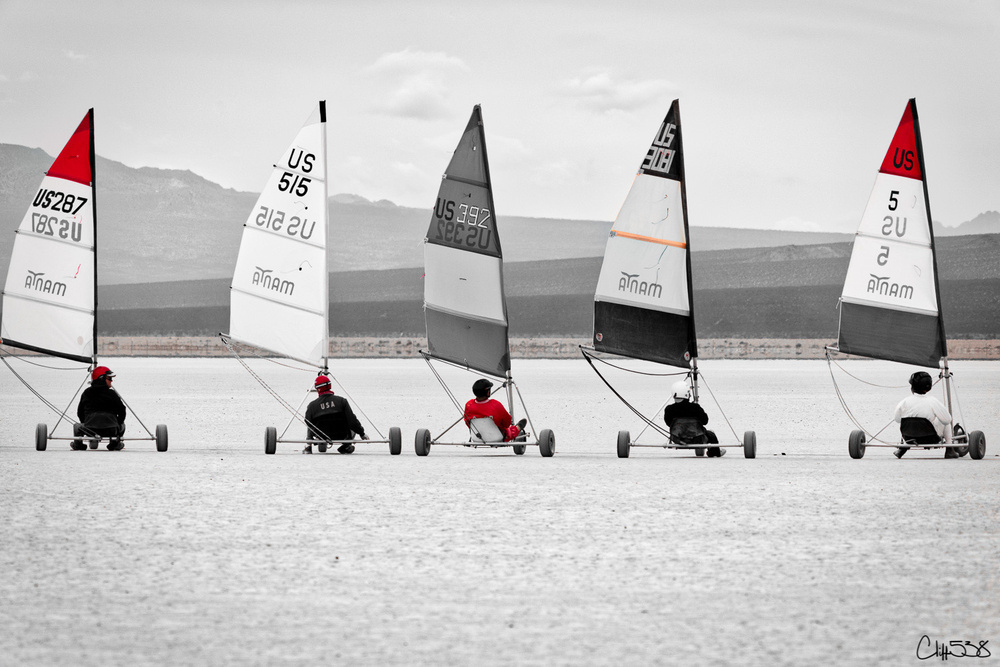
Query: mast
[[692, 337], [326, 252], [93, 201]]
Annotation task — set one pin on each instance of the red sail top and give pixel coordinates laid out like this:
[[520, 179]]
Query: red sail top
[[73, 162], [901, 158]]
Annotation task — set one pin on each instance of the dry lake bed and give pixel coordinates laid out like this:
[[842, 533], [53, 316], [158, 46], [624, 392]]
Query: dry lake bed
[[214, 553]]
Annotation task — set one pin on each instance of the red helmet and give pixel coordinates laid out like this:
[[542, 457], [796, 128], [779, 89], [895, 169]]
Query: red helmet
[[322, 381], [100, 372]]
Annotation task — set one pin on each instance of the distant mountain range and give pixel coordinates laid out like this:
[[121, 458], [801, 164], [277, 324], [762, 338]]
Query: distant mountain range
[[168, 244], [158, 225]]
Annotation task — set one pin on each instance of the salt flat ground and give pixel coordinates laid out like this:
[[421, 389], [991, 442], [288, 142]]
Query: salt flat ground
[[213, 553]]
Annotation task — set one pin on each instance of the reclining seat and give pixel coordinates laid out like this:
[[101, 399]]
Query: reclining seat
[[484, 429], [918, 431], [687, 431]]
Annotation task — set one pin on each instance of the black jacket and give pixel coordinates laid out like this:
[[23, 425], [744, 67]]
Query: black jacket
[[99, 397], [684, 409], [333, 417]]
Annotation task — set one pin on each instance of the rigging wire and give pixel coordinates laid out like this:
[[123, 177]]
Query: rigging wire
[[46, 402], [847, 409], [24, 359], [718, 405], [656, 427]]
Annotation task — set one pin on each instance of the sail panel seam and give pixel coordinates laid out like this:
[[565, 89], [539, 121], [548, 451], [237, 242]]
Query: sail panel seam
[[276, 301]]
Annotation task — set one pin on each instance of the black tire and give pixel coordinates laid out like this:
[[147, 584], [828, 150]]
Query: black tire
[[95, 443], [161, 437], [395, 441], [624, 444], [856, 444], [699, 451], [41, 437], [270, 440], [520, 449], [77, 444], [322, 447], [422, 442], [749, 445], [546, 443], [977, 445]]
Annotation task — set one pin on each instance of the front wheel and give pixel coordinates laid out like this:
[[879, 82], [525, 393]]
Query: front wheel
[[422, 442], [395, 441], [520, 449], [161, 437], [624, 444], [856, 445], [977, 445], [546, 443], [749, 445], [41, 437], [270, 440]]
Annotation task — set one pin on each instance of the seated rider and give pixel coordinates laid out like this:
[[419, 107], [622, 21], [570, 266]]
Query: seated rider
[[920, 405], [101, 411], [683, 408], [484, 406], [330, 417]]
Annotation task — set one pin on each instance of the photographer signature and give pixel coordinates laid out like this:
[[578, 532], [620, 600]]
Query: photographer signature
[[955, 648]]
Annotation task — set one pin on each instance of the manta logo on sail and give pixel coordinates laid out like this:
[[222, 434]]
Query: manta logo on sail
[[35, 281]]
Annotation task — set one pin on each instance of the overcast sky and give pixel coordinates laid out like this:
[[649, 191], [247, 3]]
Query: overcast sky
[[787, 107]]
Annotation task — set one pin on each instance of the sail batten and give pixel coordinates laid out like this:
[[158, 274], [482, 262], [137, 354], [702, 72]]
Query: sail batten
[[278, 297], [643, 306], [50, 295], [890, 305], [465, 309]]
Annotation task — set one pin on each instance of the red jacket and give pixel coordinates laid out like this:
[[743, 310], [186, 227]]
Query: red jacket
[[494, 410]]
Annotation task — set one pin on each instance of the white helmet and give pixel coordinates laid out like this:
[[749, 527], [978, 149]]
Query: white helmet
[[681, 390]]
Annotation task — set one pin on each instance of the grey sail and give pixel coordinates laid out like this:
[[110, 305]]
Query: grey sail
[[465, 310]]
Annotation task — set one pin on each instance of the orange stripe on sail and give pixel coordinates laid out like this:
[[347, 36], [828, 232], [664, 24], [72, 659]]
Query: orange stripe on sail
[[640, 237]]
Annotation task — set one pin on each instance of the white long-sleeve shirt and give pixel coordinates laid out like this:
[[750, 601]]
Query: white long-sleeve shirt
[[926, 406]]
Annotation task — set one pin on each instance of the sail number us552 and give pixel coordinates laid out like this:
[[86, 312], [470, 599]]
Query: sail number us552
[[462, 224]]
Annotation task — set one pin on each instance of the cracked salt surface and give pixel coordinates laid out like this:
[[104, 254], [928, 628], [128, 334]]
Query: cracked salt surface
[[213, 553]]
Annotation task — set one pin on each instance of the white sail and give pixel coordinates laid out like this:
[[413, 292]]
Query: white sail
[[279, 299], [49, 299], [645, 263], [890, 305], [643, 305]]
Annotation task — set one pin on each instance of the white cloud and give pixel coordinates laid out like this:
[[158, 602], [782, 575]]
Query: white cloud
[[599, 91], [419, 82]]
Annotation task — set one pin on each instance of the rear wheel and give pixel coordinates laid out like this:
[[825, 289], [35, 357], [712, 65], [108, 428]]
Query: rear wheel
[[270, 440], [699, 451], [161, 437], [624, 444], [395, 441], [322, 447], [856, 444], [422, 442], [977, 445], [41, 437], [749, 444], [546, 443]]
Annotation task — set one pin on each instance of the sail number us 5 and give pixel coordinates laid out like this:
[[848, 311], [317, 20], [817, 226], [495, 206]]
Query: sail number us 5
[[462, 224]]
